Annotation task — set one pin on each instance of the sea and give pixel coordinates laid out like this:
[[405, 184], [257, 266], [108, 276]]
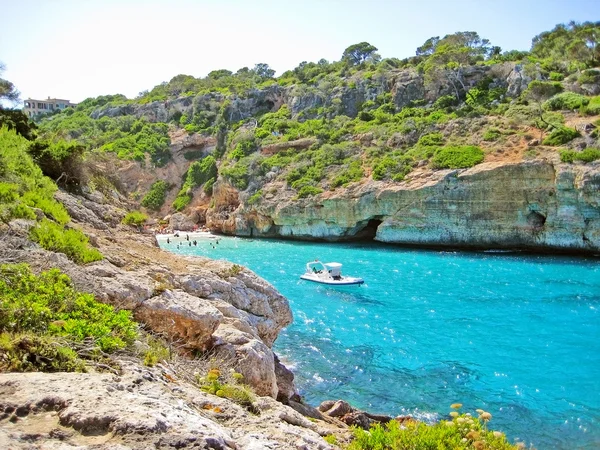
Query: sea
[[515, 334]]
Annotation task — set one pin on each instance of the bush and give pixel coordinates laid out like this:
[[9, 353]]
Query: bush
[[48, 305], [181, 202], [135, 218], [22, 184], [394, 167], [199, 173], [27, 352], [431, 139], [308, 191], [155, 197], [72, 243], [561, 136], [461, 433], [457, 157], [208, 186], [566, 100], [254, 198], [214, 383], [492, 134], [538, 90], [353, 172], [237, 174], [590, 76], [592, 108], [586, 156]]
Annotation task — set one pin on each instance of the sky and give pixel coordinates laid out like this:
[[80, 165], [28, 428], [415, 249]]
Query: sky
[[75, 49]]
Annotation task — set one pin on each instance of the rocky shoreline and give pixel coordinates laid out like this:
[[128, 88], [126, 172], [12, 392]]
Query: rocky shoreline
[[196, 303]]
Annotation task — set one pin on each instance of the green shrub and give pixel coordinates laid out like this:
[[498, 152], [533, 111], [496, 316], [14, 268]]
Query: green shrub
[[590, 76], [462, 433], [135, 218], [22, 184], [214, 383], [445, 101], [27, 352], [353, 172], [49, 305], [587, 155], [49, 206], [208, 186], [551, 120], [157, 351], [237, 174], [431, 139], [254, 198], [556, 76], [457, 157], [155, 197], [72, 243], [308, 191], [561, 136], [492, 134], [394, 167], [539, 90], [181, 202], [566, 100], [199, 173], [592, 108]]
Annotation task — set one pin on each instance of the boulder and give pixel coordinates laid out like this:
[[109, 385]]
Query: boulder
[[186, 320], [181, 222]]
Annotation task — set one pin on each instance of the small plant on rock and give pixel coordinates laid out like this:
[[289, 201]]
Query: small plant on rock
[[214, 383], [135, 218]]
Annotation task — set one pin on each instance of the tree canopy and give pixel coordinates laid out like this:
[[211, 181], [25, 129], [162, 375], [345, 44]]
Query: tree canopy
[[8, 92], [359, 53], [573, 42]]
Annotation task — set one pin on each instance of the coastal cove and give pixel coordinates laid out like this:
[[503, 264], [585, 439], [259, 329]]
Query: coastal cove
[[515, 334]]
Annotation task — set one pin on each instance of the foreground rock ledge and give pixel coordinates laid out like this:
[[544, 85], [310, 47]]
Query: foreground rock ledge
[[141, 409]]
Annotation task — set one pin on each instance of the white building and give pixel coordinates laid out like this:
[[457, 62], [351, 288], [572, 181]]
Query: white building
[[34, 108]]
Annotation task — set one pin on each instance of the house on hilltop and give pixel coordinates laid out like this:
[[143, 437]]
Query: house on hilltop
[[34, 108]]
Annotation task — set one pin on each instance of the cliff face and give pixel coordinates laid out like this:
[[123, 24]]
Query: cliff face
[[404, 85], [539, 205]]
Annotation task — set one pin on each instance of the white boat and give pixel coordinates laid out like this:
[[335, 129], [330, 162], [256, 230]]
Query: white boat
[[328, 273]]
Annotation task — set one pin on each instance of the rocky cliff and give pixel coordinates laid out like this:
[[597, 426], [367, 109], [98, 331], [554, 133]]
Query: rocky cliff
[[540, 205], [201, 307]]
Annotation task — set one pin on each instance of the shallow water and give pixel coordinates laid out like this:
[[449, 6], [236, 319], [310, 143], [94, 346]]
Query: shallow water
[[517, 335]]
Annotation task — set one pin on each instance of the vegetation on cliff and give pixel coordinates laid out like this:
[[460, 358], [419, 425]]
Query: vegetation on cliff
[[322, 126], [45, 323], [26, 193], [462, 431]]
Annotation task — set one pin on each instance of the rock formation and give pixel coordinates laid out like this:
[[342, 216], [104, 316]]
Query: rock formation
[[199, 305], [541, 205], [142, 408]]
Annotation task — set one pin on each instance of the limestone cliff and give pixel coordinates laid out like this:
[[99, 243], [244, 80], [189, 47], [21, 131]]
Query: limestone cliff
[[197, 303], [540, 205]]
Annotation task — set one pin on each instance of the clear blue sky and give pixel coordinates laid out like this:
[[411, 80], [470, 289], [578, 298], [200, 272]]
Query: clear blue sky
[[76, 49]]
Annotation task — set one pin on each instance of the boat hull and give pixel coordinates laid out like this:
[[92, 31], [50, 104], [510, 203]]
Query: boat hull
[[344, 282]]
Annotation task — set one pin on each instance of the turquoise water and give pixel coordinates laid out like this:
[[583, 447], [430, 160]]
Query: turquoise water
[[517, 335]]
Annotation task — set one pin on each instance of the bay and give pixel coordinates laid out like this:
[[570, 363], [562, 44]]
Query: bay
[[515, 334]]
